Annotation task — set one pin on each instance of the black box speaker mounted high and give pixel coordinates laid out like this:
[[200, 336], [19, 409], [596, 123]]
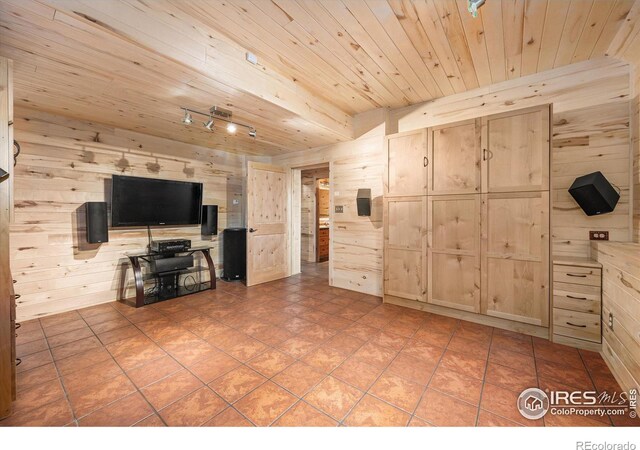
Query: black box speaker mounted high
[[594, 194], [209, 225], [363, 201], [97, 223]]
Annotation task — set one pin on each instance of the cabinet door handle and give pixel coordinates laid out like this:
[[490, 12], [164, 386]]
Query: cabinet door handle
[[425, 161], [577, 298], [484, 154], [574, 325], [17, 296], [576, 275], [252, 230], [18, 361]]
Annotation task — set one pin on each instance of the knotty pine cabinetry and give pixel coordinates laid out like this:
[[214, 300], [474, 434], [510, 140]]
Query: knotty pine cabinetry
[[473, 197], [577, 302]]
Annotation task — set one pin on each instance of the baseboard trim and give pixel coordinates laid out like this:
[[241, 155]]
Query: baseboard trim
[[524, 328]]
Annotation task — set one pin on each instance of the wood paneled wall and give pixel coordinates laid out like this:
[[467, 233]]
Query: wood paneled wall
[[581, 94], [6, 163], [635, 142], [356, 242], [621, 298], [65, 163], [308, 212], [591, 104], [584, 141]]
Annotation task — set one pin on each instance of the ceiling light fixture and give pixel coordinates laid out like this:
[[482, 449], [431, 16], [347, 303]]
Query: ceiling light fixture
[[474, 5], [187, 119], [218, 113]]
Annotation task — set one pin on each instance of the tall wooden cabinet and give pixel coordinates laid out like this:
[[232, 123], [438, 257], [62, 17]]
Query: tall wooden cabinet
[[487, 217]]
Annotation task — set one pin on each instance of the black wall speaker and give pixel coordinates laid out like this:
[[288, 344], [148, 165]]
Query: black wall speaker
[[209, 220], [594, 194], [97, 226], [234, 253], [363, 201]]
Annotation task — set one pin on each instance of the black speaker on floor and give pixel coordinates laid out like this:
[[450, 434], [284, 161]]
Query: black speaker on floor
[[209, 225], [234, 254], [97, 224], [594, 194]]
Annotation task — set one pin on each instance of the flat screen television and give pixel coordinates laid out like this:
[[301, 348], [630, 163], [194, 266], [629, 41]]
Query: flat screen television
[[137, 201]]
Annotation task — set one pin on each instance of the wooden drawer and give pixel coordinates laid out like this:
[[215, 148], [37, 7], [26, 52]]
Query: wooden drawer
[[577, 297], [588, 276], [576, 324]]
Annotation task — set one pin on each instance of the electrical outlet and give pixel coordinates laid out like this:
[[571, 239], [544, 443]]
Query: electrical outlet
[[598, 235], [611, 321], [339, 209]]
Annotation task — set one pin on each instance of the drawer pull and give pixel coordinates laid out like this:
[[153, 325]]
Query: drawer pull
[[574, 325], [576, 275], [577, 298]]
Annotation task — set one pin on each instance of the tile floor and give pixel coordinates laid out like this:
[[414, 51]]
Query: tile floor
[[290, 353]]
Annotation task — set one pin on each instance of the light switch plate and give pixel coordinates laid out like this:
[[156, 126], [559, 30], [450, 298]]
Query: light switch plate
[[339, 209]]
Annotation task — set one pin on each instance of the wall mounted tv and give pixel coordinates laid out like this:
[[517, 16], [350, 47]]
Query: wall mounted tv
[[139, 201]]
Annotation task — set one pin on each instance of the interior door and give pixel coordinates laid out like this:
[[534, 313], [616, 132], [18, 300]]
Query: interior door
[[515, 256], [454, 158], [405, 252], [515, 151], [268, 221], [454, 251], [406, 172]]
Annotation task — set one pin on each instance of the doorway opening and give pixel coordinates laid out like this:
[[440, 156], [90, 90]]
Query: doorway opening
[[315, 226]]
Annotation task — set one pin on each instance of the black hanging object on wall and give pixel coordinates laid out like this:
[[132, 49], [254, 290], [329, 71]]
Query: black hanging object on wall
[[594, 194], [363, 201], [97, 223], [234, 253], [209, 225]]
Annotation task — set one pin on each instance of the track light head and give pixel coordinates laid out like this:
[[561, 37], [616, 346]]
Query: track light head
[[232, 128], [187, 119], [209, 124]]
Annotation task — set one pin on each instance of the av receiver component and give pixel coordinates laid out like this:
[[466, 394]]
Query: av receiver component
[[160, 265], [170, 246]]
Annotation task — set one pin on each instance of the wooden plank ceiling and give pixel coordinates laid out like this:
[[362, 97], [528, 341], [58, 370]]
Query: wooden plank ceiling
[[133, 63]]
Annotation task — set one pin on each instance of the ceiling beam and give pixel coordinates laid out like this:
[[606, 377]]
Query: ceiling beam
[[158, 26]]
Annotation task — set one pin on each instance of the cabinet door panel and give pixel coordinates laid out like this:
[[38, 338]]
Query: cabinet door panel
[[515, 256], [454, 158], [406, 164], [516, 151], [454, 251], [405, 247]]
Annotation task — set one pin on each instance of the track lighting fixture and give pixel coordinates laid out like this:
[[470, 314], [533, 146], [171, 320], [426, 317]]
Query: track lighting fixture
[[187, 119], [218, 113]]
